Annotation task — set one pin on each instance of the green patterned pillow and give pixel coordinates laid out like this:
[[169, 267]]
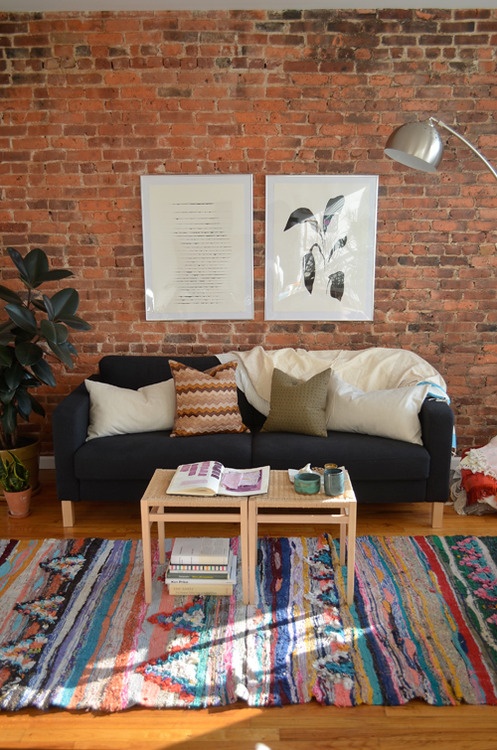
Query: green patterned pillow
[[206, 402], [296, 405]]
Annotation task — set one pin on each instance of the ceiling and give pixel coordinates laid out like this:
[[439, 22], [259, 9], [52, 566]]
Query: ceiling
[[116, 5]]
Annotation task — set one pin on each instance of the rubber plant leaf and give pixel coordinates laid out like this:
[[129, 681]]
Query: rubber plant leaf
[[6, 356], [28, 353], [62, 303], [14, 376], [18, 261], [23, 403], [333, 207], [22, 317], [77, 323], [36, 265], [32, 267], [9, 296], [56, 274], [299, 216], [8, 420], [43, 372], [309, 268], [5, 331], [55, 333], [63, 353], [36, 406]]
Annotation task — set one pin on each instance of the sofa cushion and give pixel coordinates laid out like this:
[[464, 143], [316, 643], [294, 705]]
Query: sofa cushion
[[115, 411], [392, 413], [124, 458], [298, 406], [206, 402], [368, 458]]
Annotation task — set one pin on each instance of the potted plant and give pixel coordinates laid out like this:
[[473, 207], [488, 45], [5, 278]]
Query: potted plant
[[14, 478], [34, 332]]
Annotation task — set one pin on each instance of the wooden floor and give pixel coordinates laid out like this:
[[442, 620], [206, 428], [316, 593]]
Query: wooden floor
[[416, 726]]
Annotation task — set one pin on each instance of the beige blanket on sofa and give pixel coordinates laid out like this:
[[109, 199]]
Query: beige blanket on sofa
[[370, 369]]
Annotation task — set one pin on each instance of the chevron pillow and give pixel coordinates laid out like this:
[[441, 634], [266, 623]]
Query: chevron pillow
[[206, 402]]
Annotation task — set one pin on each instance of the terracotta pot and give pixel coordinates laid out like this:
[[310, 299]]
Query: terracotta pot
[[29, 453], [19, 503]]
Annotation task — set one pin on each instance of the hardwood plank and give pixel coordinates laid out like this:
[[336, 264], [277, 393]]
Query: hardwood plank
[[416, 726]]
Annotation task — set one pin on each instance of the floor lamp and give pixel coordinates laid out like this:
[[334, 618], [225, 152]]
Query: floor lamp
[[418, 145]]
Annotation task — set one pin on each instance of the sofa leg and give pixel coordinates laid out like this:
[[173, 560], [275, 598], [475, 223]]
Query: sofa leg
[[68, 515], [437, 515]]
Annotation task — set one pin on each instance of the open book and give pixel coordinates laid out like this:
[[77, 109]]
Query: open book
[[212, 478]]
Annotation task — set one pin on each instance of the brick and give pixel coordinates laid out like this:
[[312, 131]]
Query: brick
[[91, 101]]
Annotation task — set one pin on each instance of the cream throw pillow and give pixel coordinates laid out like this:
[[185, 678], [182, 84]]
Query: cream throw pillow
[[115, 411], [392, 413]]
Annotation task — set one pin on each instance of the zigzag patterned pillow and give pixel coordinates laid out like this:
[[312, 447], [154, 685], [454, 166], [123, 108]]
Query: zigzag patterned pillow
[[206, 402]]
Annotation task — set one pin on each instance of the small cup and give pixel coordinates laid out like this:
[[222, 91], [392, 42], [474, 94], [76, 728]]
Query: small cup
[[334, 481], [307, 483]]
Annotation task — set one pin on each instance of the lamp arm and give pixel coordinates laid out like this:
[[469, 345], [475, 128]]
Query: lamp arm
[[468, 144]]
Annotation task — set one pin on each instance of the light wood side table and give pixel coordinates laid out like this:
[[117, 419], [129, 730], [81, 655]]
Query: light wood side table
[[303, 509], [158, 507]]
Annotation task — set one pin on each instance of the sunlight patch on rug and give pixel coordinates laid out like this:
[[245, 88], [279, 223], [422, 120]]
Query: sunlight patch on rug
[[76, 632]]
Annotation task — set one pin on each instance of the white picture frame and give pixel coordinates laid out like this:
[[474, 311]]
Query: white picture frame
[[320, 247], [197, 247]]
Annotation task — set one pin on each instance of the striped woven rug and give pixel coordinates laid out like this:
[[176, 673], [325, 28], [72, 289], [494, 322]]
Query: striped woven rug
[[75, 632]]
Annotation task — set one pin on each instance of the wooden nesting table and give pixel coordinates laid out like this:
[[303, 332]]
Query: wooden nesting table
[[303, 509], [158, 507], [281, 504]]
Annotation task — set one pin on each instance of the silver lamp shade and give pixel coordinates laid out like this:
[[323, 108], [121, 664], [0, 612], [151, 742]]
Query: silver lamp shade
[[417, 145]]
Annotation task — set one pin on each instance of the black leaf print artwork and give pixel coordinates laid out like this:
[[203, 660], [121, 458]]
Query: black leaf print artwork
[[309, 266], [336, 284], [337, 246], [299, 216], [334, 206], [336, 280]]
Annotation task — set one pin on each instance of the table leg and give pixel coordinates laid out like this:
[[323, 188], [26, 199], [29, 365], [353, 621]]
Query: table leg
[[147, 551], [161, 534], [342, 541], [351, 552], [252, 544], [244, 549]]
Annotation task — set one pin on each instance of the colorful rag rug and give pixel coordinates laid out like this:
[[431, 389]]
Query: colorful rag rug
[[76, 633]]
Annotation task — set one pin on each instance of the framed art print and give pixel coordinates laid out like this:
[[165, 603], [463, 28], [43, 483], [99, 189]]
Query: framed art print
[[197, 247], [320, 247]]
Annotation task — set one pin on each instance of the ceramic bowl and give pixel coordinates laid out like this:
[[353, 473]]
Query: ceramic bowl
[[307, 483]]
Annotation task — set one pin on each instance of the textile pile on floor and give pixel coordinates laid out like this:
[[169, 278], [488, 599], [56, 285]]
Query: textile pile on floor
[[474, 484], [75, 631]]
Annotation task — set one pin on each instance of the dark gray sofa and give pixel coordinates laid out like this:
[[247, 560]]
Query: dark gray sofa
[[118, 468]]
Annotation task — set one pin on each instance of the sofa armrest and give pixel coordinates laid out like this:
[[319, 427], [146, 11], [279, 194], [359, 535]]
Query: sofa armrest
[[437, 425], [69, 427]]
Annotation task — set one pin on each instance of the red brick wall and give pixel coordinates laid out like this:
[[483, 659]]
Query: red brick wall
[[91, 101]]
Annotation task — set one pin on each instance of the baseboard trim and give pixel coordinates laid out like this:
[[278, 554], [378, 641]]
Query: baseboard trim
[[47, 462]]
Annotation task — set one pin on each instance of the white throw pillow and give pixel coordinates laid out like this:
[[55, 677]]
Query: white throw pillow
[[392, 413], [115, 411]]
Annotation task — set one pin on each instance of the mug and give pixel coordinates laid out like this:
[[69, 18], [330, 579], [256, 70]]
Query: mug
[[334, 481]]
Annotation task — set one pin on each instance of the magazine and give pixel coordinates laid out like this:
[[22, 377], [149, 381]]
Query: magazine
[[212, 478]]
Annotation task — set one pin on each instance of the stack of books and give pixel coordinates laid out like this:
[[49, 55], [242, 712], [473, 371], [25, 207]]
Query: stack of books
[[202, 566]]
